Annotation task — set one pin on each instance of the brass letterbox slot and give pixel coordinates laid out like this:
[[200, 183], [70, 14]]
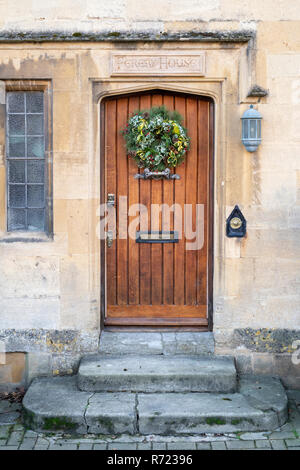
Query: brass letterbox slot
[[157, 237]]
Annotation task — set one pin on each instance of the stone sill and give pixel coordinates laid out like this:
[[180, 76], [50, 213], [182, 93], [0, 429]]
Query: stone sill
[[25, 237]]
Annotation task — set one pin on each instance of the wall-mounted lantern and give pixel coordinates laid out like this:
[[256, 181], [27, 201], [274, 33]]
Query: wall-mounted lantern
[[251, 129]]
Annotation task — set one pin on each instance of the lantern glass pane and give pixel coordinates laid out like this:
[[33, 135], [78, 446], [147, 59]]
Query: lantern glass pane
[[253, 128], [245, 129], [259, 129]]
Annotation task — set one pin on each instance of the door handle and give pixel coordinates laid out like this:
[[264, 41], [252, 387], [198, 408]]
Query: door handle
[[109, 238]]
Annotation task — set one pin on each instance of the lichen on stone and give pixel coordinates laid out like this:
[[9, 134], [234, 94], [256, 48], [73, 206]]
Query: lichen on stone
[[194, 35], [58, 423], [270, 340], [257, 91]]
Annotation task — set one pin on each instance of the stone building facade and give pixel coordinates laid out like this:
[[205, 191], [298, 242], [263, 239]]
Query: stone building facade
[[50, 283]]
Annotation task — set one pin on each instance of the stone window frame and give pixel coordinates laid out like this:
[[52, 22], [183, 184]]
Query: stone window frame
[[44, 86]]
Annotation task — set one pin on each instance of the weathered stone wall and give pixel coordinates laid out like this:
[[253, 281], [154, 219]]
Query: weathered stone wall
[[153, 15], [49, 288]]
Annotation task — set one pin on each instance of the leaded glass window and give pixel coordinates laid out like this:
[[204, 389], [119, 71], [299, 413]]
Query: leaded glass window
[[25, 161]]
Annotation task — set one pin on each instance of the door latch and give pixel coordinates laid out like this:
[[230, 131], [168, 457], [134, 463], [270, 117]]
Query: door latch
[[111, 200], [109, 238]]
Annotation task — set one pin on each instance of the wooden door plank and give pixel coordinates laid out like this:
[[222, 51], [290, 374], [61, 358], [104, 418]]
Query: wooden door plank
[[203, 175], [179, 199], [111, 187], [156, 311], [156, 249], [133, 199], [191, 198], [122, 188], [145, 249], [167, 225], [161, 322]]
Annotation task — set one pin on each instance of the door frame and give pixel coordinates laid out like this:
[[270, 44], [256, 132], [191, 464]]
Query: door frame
[[211, 182]]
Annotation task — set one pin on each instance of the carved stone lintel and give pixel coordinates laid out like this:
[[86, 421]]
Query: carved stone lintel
[[157, 175], [158, 63]]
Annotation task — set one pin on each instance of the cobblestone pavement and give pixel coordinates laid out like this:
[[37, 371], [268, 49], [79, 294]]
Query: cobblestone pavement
[[13, 436]]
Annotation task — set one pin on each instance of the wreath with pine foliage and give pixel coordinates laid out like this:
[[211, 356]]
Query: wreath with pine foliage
[[156, 138]]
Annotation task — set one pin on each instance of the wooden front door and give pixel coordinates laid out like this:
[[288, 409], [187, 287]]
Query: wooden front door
[[158, 284]]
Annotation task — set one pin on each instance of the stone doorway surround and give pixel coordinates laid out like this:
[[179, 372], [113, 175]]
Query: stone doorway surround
[[224, 73]]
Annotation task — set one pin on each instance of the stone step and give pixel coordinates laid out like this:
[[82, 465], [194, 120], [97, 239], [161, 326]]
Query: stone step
[[53, 404], [101, 373], [141, 342]]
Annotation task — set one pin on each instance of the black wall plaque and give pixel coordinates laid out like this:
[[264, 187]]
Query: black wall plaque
[[236, 224]]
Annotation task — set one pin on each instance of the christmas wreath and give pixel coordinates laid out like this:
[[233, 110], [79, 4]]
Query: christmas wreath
[[156, 138]]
